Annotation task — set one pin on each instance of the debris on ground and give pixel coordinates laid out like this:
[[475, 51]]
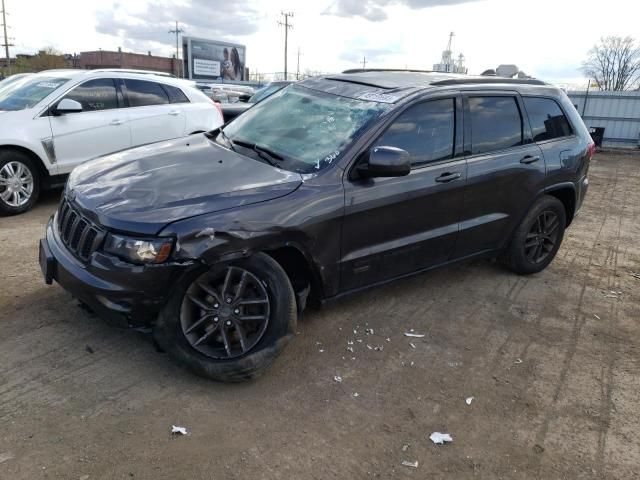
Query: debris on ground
[[412, 345], [468, 400], [356, 394], [178, 430], [405, 447], [337, 379], [6, 456], [440, 438], [368, 331], [595, 315], [414, 335], [407, 463], [635, 275], [350, 349], [518, 361]]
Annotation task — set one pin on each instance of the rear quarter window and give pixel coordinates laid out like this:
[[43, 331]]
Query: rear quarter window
[[175, 94], [547, 119]]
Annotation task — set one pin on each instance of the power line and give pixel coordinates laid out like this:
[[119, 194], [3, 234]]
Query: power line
[[177, 31], [6, 43], [286, 26]]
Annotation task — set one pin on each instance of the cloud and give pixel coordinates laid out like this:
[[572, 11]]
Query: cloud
[[355, 55], [374, 10], [148, 28]]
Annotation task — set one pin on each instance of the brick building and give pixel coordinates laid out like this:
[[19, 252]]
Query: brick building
[[120, 59]]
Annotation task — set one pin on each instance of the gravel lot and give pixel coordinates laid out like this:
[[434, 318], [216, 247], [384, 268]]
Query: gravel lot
[[551, 360]]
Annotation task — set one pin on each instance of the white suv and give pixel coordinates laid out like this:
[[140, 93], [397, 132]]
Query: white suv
[[54, 120]]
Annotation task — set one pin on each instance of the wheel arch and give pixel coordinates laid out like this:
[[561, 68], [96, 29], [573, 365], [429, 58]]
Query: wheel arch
[[299, 267], [42, 170], [566, 193]]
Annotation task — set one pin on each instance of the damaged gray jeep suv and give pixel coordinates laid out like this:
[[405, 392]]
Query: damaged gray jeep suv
[[330, 186]]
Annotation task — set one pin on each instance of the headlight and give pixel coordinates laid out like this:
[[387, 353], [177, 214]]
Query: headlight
[[139, 250]]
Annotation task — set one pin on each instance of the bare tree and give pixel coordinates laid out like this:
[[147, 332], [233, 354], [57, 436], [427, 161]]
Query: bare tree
[[614, 63]]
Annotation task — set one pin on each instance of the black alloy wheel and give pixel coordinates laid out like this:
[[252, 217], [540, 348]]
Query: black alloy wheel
[[542, 237], [225, 313]]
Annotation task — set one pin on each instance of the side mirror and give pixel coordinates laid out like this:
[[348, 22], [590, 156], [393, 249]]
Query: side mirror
[[386, 162], [66, 105], [244, 98]]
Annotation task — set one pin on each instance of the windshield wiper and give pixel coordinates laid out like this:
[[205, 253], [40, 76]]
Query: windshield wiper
[[264, 153], [226, 138]]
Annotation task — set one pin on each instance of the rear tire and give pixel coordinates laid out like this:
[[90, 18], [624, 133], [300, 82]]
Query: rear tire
[[19, 182], [226, 332], [538, 237]]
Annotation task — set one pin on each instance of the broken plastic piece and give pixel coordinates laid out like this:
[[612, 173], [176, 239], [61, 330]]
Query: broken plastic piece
[[178, 430], [407, 463], [413, 335], [412, 345], [440, 438], [337, 379], [207, 232]]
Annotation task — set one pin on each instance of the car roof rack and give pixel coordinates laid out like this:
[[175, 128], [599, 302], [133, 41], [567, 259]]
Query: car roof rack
[[131, 70], [361, 70], [489, 80], [453, 78]]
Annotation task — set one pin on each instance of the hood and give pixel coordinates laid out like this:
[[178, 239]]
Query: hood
[[144, 189]]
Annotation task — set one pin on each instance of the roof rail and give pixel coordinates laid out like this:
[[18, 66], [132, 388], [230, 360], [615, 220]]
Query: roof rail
[[488, 80], [131, 70], [360, 70]]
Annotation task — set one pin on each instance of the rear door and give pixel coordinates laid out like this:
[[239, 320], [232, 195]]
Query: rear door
[[395, 226], [153, 117], [101, 128], [506, 170]]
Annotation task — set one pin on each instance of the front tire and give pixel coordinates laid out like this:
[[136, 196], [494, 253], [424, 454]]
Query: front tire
[[230, 322], [19, 182], [538, 237]]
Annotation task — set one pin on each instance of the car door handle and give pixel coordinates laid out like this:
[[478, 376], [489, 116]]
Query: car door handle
[[116, 122], [174, 112], [530, 159], [448, 177]]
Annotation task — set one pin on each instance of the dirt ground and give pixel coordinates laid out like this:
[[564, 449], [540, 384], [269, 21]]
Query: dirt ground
[[552, 362]]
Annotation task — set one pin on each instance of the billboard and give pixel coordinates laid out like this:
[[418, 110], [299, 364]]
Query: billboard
[[213, 60]]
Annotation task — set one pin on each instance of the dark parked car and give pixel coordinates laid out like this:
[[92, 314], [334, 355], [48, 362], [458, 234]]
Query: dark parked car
[[232, 110], [328, 187]]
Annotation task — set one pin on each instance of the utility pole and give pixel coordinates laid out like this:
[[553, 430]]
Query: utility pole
[[177, 31], [298, 67], [286, 26], [364, 63], [6, 43]]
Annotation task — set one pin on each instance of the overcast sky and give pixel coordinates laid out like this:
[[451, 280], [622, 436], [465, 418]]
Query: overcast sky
[[546, 38]]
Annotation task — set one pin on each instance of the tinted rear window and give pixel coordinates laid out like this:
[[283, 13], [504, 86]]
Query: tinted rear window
[[175, 94], [547, 119], [142, 93], [99, 94], [496, 123], [425, 130]]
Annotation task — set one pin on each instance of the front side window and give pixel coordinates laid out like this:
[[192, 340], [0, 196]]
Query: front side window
[[95, 95], [142, 93], [304, 129], [547, 119], [426, 131], [496, 124], [29, 92]]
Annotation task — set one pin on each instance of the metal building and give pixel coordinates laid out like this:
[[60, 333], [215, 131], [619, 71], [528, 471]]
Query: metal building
[[617, 112]]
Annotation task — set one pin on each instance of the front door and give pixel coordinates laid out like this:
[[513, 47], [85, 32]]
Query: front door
[[102, 127], [395, 226]]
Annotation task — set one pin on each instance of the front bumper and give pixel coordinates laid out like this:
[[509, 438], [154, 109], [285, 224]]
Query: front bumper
[[126, 294]]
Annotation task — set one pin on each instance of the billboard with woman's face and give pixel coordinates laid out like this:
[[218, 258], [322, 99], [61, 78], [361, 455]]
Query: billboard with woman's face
[[213, 60]]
